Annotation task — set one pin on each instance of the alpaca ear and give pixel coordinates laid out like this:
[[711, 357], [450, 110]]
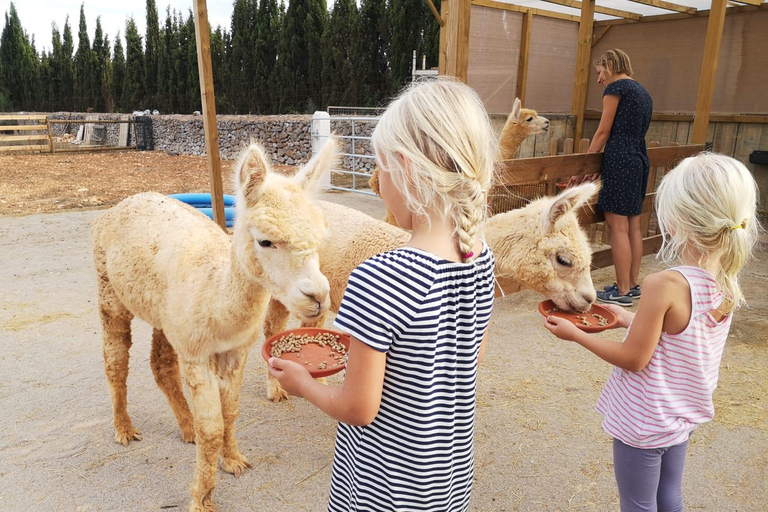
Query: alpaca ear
[[320, 164], [515, 114], [251, 171], [568, 200]]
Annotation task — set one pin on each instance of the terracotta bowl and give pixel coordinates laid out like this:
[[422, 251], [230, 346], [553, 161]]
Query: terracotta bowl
[[311, 353], [548, 307]]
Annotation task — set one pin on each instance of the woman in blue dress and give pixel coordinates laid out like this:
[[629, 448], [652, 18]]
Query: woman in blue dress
[[627, 109]]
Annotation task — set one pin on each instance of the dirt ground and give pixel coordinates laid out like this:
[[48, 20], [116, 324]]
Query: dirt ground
[[539, 445]]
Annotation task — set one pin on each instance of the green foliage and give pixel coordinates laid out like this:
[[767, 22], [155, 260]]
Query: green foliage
[[275, 57], [19, 65]]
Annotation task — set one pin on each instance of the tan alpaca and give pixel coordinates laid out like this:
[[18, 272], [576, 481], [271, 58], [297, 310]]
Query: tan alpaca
[[521, 123], [205, 295], [541, 247]]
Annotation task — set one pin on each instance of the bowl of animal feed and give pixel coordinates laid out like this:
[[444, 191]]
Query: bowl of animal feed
[[322, 351], [597, 319]]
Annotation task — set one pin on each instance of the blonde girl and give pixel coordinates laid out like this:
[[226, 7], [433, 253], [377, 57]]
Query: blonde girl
[[417, 315], [667, 367]]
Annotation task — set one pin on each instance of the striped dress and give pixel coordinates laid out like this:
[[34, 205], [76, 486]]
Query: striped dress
[[661, 405], [429, 315]]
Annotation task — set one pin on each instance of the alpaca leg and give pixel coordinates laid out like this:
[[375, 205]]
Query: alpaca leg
[[165, 367], [116, 344], [209, 428], [275, 321], [230, 367]]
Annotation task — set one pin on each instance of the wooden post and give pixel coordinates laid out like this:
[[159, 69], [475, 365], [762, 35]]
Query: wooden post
[[203, 39], [441, 56], [457, 38], [583, 65], [525, 47], [708, 71]]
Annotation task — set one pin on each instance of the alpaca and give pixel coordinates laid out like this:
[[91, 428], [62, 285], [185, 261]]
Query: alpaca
[[540, 247], [521, 123], [205, 294]]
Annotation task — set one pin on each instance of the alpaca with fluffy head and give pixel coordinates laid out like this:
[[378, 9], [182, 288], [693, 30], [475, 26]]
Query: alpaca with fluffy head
[[540, 247], [521, 123], [205, 295]]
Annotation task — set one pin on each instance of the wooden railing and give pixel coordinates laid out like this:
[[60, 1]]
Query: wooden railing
[[551, 169], [10, 135]]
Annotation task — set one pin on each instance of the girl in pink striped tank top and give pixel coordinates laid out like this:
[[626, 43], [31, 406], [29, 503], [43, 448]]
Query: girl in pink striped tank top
[[667, 366]]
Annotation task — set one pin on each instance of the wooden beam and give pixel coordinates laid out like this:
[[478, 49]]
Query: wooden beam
[[23, 127], [441, 56], [491, 4], [708, 71], [525, 48], [203, 41], [749, 2], [715, 118], [435, 13], [596, 37], [669, 6], [24, 148], [24, 138], [576, 4], [13, 117], [583, 65], [457, 38], [677, 16]]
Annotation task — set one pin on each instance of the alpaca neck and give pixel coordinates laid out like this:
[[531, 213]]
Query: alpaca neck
[[504, 232], [512, 139]]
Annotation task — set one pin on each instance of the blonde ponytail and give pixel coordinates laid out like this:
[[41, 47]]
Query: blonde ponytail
[[709, 203]]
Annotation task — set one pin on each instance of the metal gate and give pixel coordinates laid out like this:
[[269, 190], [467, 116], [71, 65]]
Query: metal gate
[[357, 159]]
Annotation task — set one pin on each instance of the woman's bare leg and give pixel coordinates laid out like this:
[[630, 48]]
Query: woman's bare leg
[[620, 249], [636, 245]]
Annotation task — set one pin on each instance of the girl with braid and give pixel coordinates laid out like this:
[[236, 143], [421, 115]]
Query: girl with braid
[[418, 315]]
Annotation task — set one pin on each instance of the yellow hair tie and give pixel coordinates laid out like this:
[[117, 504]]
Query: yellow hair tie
[[736, 227]]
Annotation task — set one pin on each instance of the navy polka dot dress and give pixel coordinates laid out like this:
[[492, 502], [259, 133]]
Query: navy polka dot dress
[[625, 165]]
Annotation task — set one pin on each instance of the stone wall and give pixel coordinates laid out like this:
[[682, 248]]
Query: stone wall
[[287, 139]]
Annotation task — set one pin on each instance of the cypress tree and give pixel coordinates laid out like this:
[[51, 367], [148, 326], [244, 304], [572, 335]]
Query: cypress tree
[[118, 75], [242, 61], [134, 95], [375, 50], [43, 88], [411, 22], [67, 71], [341, 51], [84, 79], [101, 62], [18, 64], [152, 44], [194, 101], [55, 56], [265, 49], [300, 58], [219, 41], [165, 66]]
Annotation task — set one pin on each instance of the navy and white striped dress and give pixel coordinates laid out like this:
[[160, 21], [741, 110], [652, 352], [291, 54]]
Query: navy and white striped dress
[[429, 315]]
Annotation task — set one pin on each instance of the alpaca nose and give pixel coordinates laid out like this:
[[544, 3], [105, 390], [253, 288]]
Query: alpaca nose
[[318, 300]]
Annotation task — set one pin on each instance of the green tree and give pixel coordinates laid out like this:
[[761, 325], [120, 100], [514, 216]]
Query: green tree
[[134, 95], [374, 52], [193, 99], [118, 74], [300, 58], [18, 64], [101, 66], [219, 43], [341, 55], [242, 58], [165, 86], [67, 70], [265, 49], [84, 70], [152, 52], [412, 29]]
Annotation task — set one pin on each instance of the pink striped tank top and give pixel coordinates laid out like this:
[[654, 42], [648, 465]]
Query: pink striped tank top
[[663, 403]]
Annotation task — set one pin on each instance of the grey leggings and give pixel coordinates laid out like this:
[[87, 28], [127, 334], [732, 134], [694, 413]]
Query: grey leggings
[[649, 480]]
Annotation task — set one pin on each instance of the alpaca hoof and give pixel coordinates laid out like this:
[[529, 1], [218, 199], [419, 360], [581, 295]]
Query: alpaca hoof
[[127, 435], [206, 506], [188, 434], [235, 465], [275, 392]]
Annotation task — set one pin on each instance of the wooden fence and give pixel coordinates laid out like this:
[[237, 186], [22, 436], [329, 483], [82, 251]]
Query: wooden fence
[[545, 172], [25, 132]]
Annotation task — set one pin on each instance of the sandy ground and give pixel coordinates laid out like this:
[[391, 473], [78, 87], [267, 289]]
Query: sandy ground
[[539, 445]]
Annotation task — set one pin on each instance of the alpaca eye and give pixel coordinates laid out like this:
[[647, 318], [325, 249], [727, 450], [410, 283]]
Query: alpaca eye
[[530, 119], [265, 243], [563, 262]]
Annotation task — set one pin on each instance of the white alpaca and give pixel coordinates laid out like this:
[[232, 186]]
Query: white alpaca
[[540, 247], [205, 295]]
